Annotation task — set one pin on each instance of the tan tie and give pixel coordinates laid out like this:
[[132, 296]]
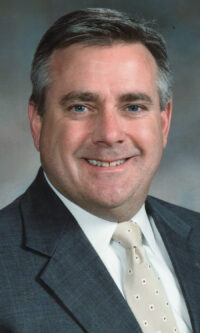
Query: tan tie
[[143, 290]]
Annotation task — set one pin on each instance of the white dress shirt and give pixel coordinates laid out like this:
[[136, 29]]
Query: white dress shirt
[[99, 232]]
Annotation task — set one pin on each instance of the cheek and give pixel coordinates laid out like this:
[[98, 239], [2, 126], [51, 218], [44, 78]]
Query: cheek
[[144, 131], [69, 137], [148, 135]]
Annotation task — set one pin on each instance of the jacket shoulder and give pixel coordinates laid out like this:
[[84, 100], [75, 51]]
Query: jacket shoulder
[[10, 222]]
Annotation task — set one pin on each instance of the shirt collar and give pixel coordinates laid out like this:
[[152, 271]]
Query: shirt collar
[[145, 224]]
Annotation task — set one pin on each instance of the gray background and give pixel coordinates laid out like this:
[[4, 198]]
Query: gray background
[[21, 25]]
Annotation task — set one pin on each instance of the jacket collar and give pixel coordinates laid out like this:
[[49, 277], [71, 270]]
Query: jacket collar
[[45, 217], [162, 212]]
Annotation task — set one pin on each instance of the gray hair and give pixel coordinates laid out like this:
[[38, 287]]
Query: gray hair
[[97, 26]]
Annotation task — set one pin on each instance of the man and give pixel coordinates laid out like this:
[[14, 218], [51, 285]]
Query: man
[[100, 114]]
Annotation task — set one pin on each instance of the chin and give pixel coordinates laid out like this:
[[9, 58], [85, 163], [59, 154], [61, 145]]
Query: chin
[[109, 201]]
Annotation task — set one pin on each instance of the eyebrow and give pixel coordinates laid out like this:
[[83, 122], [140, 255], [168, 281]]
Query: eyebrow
[[133, 97], [87, 96], [78, 96]]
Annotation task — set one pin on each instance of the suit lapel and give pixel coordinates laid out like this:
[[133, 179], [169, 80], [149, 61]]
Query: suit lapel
[[184, 251], [74, 272], [77, 276]]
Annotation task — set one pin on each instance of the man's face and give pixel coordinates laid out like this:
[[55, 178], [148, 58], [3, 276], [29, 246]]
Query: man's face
[[102, 135]]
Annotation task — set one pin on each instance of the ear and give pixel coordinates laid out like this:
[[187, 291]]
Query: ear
[[35, 123], [166, 121]]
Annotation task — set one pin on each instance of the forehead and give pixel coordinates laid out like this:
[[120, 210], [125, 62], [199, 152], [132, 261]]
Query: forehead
[[95, 67], [119, 52]]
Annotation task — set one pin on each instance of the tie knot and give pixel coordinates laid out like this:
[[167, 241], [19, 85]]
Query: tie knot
[[128, 234]]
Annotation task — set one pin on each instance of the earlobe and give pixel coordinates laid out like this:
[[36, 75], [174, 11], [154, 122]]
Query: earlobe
[[35, 123], [166, 121]]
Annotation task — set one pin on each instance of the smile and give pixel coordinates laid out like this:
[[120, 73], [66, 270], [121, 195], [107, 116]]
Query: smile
[[106, 164]]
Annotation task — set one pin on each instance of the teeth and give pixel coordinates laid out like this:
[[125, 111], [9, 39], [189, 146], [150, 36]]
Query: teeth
[[106, 164]]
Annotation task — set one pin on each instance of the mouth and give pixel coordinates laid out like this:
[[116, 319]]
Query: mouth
[[106, 164]]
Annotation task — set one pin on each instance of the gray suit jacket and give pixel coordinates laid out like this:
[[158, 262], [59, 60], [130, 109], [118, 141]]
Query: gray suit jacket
[[52, 280]]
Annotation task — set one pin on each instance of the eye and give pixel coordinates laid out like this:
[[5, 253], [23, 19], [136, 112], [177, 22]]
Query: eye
[[78, 108], [134, 108]]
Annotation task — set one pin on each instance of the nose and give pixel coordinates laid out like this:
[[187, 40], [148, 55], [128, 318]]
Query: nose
[[108, 129]]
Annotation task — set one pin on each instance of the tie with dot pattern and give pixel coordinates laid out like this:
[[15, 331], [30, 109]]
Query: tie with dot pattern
[[143, 290]]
